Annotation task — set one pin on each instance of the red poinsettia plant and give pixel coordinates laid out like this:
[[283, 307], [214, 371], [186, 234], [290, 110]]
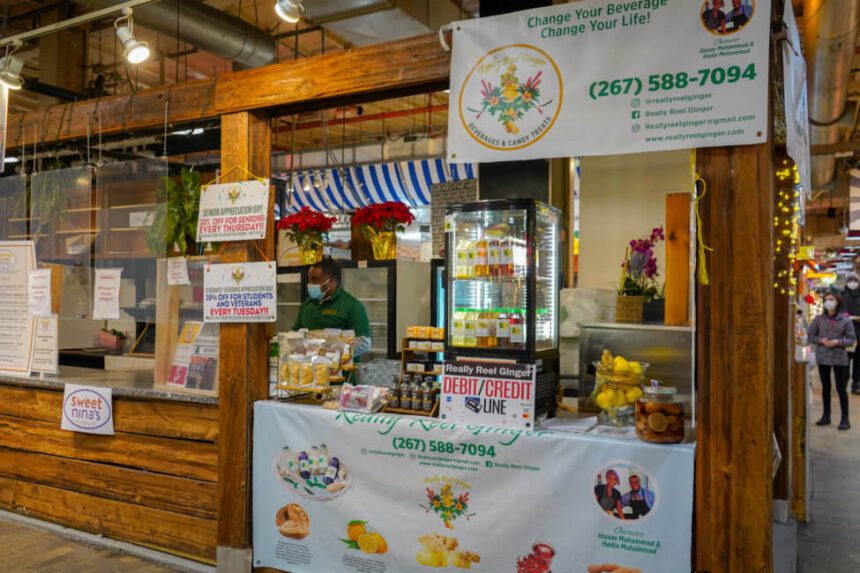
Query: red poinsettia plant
[[389, 216], [307, 228]]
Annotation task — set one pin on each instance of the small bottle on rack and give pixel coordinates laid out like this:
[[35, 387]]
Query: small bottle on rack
[[503, 328], [494, 257], [506, 258], [470, 337], [418, 396], [427, 402], [406, 393], [458, 329], [394, 402], [482, 331], [518, 331], [482, 268], [462, 266]]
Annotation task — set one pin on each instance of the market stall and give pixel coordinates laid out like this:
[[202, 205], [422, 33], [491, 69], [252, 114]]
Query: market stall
[[717, 515]]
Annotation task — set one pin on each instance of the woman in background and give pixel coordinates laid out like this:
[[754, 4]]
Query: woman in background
[[832, 332]]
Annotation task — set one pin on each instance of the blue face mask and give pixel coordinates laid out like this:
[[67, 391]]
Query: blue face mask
[[316, 291]]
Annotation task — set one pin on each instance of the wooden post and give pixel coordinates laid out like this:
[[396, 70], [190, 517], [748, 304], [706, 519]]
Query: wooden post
[[735, 358], [677, 259], [243, 371]]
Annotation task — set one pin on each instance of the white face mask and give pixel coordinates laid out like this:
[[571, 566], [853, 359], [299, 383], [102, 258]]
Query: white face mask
[[853, 285], [830, 304]]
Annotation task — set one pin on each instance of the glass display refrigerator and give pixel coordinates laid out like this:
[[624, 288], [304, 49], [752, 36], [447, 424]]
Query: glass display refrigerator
[[502, 284], [396, 294]]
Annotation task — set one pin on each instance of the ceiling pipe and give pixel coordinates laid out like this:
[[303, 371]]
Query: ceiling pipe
[[830, 36], [207, 28]]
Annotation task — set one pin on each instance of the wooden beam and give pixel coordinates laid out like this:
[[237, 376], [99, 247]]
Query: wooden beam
[[243, 371], [848, 147], [677, 259], [413, 65], [735, 357]]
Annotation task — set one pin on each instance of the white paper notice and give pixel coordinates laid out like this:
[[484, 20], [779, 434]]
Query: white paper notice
[[46, 350], [239, 293], [106, 299], [233, 211], [17, 259], [88, 409], [177, 271], [39, 292]]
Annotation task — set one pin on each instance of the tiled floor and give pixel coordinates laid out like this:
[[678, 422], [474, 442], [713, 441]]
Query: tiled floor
[[830, 542], [25, 549]]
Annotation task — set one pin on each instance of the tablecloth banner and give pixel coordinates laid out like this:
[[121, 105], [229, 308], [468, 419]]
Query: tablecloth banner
[[415, 495], [600, 78]]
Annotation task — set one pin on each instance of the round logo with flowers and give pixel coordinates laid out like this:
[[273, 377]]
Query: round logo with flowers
[[511, 97]]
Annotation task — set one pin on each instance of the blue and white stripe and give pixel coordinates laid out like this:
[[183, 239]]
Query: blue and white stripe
[[336, 190]]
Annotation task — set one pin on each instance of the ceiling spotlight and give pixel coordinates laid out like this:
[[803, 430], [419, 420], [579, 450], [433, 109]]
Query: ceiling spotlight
[[136, 51], [10, 72], [289, 10]]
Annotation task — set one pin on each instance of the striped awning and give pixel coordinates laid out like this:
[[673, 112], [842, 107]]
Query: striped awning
[[357, 186]]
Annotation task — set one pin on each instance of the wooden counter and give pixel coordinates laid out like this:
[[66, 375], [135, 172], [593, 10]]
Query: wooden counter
[[153, 483]]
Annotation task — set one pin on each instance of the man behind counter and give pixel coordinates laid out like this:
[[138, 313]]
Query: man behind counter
[[329, 306]]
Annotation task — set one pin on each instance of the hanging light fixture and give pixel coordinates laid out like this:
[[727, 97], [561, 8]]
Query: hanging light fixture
[[11, 67], [10, 72], [136, 51], [289, 10]]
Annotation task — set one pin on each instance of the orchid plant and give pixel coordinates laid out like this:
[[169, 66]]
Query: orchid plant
[[639, 274]]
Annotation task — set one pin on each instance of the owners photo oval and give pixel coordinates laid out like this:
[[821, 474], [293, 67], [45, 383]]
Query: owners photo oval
[[625, 491], [726, 17]]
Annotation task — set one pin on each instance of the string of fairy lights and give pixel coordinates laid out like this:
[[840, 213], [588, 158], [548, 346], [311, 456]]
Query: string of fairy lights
[[786, 224]]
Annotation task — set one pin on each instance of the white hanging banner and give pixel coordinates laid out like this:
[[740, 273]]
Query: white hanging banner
[[39, 292], [233, 211], [796, 104], [46, 348], [106, 299], [601, 78], [177, 271], [239, 292]]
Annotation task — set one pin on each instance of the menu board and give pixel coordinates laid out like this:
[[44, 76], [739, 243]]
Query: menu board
[[17, 259]]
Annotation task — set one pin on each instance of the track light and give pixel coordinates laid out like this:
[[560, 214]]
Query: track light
[[10, 72], [136, 51], [289, 10]]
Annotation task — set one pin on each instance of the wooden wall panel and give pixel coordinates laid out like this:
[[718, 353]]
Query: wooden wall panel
[[156, 454], [154, 418], [154, 483], [188, 535], [170, 493]]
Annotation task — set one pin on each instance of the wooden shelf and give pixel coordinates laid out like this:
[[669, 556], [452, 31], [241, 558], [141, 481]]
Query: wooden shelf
[[78, 232]]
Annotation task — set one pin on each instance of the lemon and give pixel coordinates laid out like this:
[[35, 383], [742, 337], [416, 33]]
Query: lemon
[[620, 364], [427, 557], [658, 422], [633, 395], [635, 368], [619, 399], [603, 400], [381, 544], [368, 543]]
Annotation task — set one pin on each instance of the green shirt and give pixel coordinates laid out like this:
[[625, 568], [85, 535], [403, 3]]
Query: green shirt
[[341, 310]]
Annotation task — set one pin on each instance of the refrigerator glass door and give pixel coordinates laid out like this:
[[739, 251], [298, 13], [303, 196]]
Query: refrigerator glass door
[[547, 277], [370, 286], [289, 299], [487, 298]]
